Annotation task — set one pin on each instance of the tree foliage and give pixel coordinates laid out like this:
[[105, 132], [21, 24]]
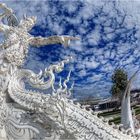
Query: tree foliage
[[119, 79]]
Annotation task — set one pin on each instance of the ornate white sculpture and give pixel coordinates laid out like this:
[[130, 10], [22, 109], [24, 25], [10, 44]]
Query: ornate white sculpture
[[26, 114]]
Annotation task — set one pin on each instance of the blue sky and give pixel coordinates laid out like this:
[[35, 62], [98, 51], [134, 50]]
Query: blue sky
[[109, 34]]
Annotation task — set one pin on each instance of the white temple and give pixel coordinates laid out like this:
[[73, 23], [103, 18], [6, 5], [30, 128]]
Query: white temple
[[31, 115]]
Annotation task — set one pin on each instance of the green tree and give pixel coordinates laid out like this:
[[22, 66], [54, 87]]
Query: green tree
[[119, 79]]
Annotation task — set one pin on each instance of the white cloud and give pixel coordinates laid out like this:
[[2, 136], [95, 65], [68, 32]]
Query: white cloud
[[92, 64]]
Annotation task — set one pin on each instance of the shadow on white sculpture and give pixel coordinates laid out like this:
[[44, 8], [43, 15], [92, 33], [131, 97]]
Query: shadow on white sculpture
[[27, 114]]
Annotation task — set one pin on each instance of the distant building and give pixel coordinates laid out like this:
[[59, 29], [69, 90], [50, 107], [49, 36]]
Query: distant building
[[99, 104], [109, 103]]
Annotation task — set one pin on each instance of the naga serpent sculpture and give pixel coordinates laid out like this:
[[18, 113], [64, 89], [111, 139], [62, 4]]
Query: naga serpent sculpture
[[27, 114]]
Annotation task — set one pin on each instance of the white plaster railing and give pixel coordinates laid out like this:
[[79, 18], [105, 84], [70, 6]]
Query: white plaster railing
[[79, 122]]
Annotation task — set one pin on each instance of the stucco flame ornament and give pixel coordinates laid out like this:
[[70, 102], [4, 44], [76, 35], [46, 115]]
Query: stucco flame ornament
[[31, 115]]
